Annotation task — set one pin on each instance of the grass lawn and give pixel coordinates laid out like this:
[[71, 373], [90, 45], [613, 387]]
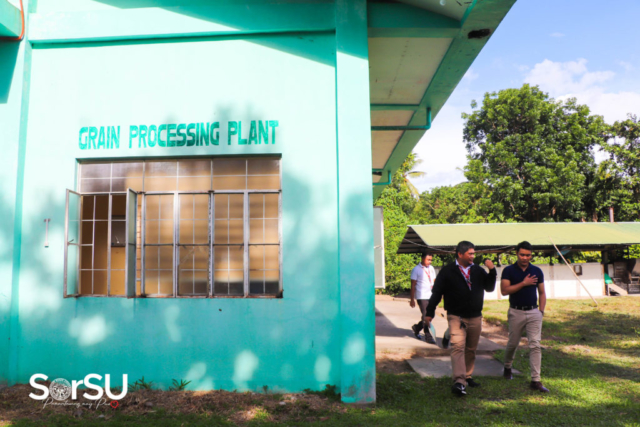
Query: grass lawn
[[591, 364]]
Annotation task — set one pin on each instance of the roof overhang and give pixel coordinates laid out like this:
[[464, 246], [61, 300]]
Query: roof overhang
[[498, 238], [419, 50]]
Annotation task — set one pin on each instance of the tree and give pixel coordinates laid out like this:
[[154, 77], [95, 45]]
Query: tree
[[457, 204], [534, 154], [623, 169], [413, 174]]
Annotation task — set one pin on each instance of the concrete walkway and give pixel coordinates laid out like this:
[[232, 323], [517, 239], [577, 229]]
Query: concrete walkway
[[394, 318]]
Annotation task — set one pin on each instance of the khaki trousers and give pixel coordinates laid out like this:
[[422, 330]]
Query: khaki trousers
[[531, 320], [465, 334]]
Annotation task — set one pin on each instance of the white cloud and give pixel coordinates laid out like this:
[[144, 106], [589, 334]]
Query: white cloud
[[572, 79], [556, 35], [470, 75], [566, 77], [626, 65], [613, 106]]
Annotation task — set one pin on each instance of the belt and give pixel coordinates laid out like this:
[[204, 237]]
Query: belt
[[524, 307]]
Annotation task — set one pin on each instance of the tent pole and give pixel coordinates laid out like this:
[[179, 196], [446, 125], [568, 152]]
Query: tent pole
[[574, 273]]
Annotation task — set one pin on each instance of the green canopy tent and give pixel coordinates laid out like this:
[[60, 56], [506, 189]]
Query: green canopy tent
[[499, 238]]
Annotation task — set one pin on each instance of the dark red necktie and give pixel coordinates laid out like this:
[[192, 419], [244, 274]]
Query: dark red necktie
[[467, 276]]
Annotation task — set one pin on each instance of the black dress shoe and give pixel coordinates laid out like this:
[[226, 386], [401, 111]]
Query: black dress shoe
[[416, 331], [472, 383], [459, 389], [537, 386], [507, 374]]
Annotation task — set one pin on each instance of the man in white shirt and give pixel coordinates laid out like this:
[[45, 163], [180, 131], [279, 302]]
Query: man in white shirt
[[422, 277]]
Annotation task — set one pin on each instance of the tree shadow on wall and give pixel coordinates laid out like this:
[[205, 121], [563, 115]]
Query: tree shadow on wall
[[287, 344]]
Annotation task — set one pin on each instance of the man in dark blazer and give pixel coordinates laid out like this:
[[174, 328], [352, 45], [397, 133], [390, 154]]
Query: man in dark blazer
[[463, 284]]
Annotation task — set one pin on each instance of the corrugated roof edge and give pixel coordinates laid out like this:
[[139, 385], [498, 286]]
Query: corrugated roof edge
[[606, 235], [526, 223]]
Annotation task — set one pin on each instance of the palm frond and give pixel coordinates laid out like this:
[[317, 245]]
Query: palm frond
[[412, 189]]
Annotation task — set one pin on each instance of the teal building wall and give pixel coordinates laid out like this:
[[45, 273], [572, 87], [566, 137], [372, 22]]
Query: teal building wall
[[123, 63]]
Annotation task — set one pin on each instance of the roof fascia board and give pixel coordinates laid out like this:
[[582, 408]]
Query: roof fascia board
[[459, 57], [10, 20], [394, 107], [180, 22], [401, 20]]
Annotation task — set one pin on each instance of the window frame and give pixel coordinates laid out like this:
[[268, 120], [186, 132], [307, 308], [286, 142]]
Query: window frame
[[65, 291], [80, 245], [143, 245], [176, 235]]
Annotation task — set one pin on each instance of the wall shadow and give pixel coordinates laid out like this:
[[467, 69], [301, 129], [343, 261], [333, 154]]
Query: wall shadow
[[302, 44], [297, 341], [9, 55]]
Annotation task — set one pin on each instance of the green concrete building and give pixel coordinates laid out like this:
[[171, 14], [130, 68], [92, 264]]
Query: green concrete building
[[187, 186]]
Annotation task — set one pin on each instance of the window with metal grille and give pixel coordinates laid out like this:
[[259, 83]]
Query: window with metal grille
[[191, 228]]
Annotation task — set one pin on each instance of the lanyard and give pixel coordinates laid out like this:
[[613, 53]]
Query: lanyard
[[426, 270], [467, 276]]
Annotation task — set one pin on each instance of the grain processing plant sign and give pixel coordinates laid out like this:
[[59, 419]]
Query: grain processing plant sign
[[254, 132]]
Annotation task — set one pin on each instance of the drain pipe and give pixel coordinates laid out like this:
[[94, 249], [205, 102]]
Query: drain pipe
[[408, 127], [387, 182], [401, 128]]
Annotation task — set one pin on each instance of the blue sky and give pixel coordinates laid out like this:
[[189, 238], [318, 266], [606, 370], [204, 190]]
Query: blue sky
[[586, 49]]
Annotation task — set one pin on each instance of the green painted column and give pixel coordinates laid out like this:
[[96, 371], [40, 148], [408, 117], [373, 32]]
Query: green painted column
[[355, 211], [15, 57]]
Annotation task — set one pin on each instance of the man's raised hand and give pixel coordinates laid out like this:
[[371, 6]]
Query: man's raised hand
[[489, 264], [530, 280]]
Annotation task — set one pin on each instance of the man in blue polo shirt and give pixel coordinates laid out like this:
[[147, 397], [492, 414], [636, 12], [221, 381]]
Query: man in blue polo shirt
[[524, 283]]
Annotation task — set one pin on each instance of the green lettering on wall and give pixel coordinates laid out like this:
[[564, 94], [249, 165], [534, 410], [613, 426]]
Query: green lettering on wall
[[115, 137], [93, 133], [214, 132], [162, 142], [101, 138], [142, 140], [233, 130], [171, 135], [133, 133], [82, 143], [153, 130], [182, 135], [263, 132], [177, 135], [204, 134], [273, 124], [253, 133], [191, 135], [241, 140]]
